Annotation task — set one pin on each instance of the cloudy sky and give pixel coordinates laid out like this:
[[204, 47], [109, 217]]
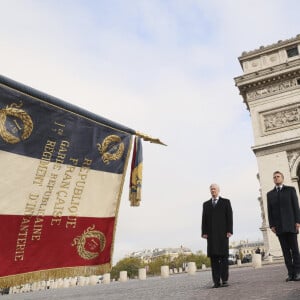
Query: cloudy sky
[[165, 68]]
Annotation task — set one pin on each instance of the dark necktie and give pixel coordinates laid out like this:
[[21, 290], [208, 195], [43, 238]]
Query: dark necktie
[[278, 189], [214, 202]]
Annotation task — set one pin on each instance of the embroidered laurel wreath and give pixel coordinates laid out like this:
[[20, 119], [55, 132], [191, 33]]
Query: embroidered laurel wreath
[[80, 242], [14, 111], [110, 152]]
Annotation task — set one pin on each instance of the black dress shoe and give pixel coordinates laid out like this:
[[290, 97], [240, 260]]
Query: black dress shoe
[[216, 285], [290, 278], [225, 283], [297, 277]]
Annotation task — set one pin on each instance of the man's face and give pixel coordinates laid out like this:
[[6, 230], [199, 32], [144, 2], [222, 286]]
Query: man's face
[[278, 179], [214, 190]]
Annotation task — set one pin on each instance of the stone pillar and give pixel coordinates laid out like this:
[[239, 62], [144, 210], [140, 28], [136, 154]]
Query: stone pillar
[[256, 260], [179, 270], [192, 268], [239, 262], [164, 270], [270, 258], [106, 278], [73, 281], [42, 285], [123, 276], [48, 284], [203, 267], [93, 279], [66, 282], [34, 286], [55, 284], [60, 283], [142, 274], [81, 281]]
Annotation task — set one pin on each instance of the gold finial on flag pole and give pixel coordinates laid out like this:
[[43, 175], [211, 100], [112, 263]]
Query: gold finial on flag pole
[[148, 138]]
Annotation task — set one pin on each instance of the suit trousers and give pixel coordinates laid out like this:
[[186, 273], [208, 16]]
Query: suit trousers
[[219, 267], [290, 250]]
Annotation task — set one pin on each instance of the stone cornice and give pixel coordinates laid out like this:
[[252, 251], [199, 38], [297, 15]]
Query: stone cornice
[[285, 145], [268, 75], [266, 78], [262, 49]]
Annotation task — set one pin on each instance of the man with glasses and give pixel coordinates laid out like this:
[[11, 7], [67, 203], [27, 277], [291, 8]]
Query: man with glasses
[[284, 221]]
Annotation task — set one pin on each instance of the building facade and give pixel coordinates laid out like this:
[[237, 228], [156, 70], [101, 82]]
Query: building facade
[[248, 247], [270, 87], [149, 255]]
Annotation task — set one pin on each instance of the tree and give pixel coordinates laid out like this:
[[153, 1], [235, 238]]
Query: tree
[[129, 264], [154, 266], [199, 259], [178, 262]]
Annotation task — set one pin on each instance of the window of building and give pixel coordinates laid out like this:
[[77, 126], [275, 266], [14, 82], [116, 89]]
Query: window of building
[[298, 81], [292, 51]]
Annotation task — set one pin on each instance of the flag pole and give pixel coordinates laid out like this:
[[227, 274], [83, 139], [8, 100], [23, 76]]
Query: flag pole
[[73, 108]]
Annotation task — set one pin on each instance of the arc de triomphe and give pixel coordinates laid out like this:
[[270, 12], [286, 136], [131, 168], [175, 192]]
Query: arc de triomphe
[[270, 87]]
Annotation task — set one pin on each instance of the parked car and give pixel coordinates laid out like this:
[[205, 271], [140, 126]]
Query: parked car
[[247, 258], [231, 259]]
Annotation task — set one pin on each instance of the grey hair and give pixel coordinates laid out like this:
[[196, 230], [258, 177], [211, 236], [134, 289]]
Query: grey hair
[[214, 184]]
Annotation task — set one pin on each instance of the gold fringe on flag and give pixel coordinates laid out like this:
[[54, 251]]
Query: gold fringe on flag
[[20, 279]]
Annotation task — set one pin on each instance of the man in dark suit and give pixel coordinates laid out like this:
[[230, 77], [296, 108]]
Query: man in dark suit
[[284, 221], [217, 229]]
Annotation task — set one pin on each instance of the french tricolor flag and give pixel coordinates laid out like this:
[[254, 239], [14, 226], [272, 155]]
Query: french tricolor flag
[[63, 170]]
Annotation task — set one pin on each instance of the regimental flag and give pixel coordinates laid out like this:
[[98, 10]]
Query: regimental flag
[[63, 170], [135, 185]]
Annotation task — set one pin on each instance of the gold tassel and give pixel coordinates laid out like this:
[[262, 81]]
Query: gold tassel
[[135, 193], [135, 200]]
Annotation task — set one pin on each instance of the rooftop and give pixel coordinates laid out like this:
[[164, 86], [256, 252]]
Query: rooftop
[[262, 49]]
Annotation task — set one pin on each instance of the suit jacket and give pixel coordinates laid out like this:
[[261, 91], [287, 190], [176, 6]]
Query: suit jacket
[[216, 222], [283, 209]]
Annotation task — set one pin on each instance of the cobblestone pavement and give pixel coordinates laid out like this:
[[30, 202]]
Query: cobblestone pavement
[[267, 282]]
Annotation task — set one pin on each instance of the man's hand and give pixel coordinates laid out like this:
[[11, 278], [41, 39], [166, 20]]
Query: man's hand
[[273, 229], [297, 226], [228, 234], [204, 236]]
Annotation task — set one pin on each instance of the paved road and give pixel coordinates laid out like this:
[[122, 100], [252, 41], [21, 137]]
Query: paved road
[[246, 283]]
